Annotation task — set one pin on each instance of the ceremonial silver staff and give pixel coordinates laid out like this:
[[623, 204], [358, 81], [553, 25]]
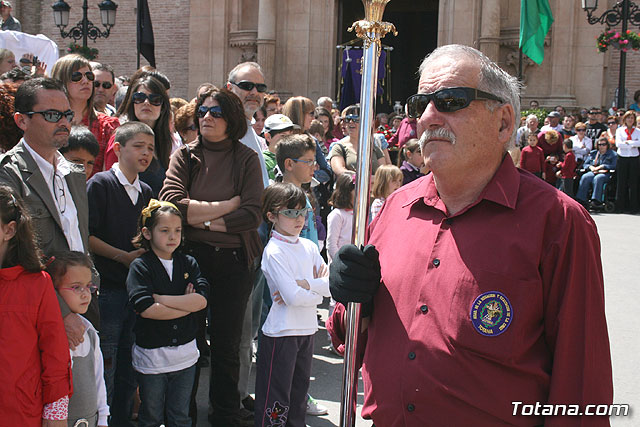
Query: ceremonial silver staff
[[370, 30]]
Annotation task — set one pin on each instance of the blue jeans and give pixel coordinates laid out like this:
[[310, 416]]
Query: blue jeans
[[116, 339], [168, 394], [598, 181]]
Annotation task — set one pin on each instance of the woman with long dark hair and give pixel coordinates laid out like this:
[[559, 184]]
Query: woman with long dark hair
[[147, 102], [74, 71], [216, 182]]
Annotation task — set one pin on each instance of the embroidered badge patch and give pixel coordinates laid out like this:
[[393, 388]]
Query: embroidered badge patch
[[491, 313], [277, 415]]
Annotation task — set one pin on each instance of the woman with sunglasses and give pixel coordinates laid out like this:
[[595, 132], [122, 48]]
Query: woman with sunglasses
[[344, 154], [627, 167], [147, 102], [184, 122], [612, 123], [582, 144], [74, 71], [216, 182]]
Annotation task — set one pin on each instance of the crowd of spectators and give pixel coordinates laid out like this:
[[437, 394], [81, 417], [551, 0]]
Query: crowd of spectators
[[209, 159]]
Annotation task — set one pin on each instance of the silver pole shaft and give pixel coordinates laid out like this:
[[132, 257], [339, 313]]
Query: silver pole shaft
[[368, 90]]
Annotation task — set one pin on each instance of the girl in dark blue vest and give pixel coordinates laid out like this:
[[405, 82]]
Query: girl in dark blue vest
[[166, 289]]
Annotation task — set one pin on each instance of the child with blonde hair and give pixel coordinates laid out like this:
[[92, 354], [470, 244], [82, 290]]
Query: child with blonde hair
[[388, 179]]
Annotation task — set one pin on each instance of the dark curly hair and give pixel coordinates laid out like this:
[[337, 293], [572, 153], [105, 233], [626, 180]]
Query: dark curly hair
[[10, 133]]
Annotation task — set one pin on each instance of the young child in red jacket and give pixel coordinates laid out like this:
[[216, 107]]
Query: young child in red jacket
[[36, 367], [567, 169], [532, 157]]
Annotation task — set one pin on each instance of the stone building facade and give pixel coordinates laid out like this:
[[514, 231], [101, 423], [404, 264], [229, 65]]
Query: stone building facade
[[295, 42]]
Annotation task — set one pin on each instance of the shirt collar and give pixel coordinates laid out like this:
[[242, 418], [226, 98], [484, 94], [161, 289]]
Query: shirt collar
[[502, 189], [283, 238], [62, 165], [123, 179]]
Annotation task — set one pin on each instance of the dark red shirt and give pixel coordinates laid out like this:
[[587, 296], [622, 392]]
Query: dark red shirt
[[532, 159], [526, 258], [568, 166], [102, 128]]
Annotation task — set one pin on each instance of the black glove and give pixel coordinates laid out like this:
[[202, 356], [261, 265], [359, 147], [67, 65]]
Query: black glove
[[354, 276]]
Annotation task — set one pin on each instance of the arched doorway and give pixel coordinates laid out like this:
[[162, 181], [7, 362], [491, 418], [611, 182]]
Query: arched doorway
[[417, 25]]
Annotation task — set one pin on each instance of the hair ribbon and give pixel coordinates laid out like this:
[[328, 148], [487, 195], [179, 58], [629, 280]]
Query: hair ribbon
[[153, 205]]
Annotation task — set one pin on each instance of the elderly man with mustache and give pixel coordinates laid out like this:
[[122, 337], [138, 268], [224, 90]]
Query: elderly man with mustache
[[486, 299]]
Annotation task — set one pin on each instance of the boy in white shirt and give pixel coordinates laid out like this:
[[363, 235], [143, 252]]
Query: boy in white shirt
[[298, 280]]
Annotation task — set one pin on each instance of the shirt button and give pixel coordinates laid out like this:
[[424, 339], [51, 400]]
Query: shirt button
[[174, 340], [449, 221], [424, 309], [411, 407], [436, 262], [412, 355], [175, 327]]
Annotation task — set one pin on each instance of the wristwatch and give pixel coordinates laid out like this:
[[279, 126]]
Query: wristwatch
[[207, 225]]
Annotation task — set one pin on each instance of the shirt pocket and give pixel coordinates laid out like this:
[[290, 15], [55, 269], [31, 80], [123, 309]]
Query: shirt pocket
[[44, 224], [491, 314]]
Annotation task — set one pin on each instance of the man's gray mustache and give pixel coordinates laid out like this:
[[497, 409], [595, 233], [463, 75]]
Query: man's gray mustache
[[439, 133]]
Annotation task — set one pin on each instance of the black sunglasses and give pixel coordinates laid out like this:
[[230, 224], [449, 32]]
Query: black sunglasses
[[611, 123], [76, 76], [105, 85], [215, 111], [154, 98], [247, 85], [446, 100], [351, 118], [52, 116]]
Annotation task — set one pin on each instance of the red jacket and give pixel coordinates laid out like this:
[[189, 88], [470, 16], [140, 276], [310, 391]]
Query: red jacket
[[568, 166], [35, 366]]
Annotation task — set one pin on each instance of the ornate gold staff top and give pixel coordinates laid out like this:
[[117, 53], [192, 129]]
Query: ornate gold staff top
[[370, 30]]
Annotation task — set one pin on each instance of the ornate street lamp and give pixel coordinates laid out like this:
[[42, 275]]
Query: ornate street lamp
[[84, 29], [624, 11]]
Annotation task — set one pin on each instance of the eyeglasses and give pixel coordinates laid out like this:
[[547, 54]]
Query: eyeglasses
[[351, 118], [602, 145], [446, 100], [154, 98], [294, 213], [79, 289], [215, 111], [580, 130], [611, 123], [594, 112], [52, 116], [105, 85], [59, 193], [76, 76], [306, 162], [247, 85]]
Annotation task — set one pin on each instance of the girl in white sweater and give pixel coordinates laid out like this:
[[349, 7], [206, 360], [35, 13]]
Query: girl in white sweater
[[340, 220], [298, 280]]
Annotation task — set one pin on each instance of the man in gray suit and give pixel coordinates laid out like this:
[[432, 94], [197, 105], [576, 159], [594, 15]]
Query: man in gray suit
[[53, 189]]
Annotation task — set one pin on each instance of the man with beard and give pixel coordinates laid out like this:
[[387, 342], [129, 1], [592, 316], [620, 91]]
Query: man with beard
[[499, 298], [247, 81], [53, 189]]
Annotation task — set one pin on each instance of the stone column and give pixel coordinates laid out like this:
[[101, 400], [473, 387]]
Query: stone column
[[267, 40], [489, 41]]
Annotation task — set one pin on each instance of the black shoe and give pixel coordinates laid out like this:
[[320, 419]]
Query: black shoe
[[249, 403], [242, 418]]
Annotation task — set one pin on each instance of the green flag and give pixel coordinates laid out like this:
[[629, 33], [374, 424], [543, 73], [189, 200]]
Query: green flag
[[535, 21]]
